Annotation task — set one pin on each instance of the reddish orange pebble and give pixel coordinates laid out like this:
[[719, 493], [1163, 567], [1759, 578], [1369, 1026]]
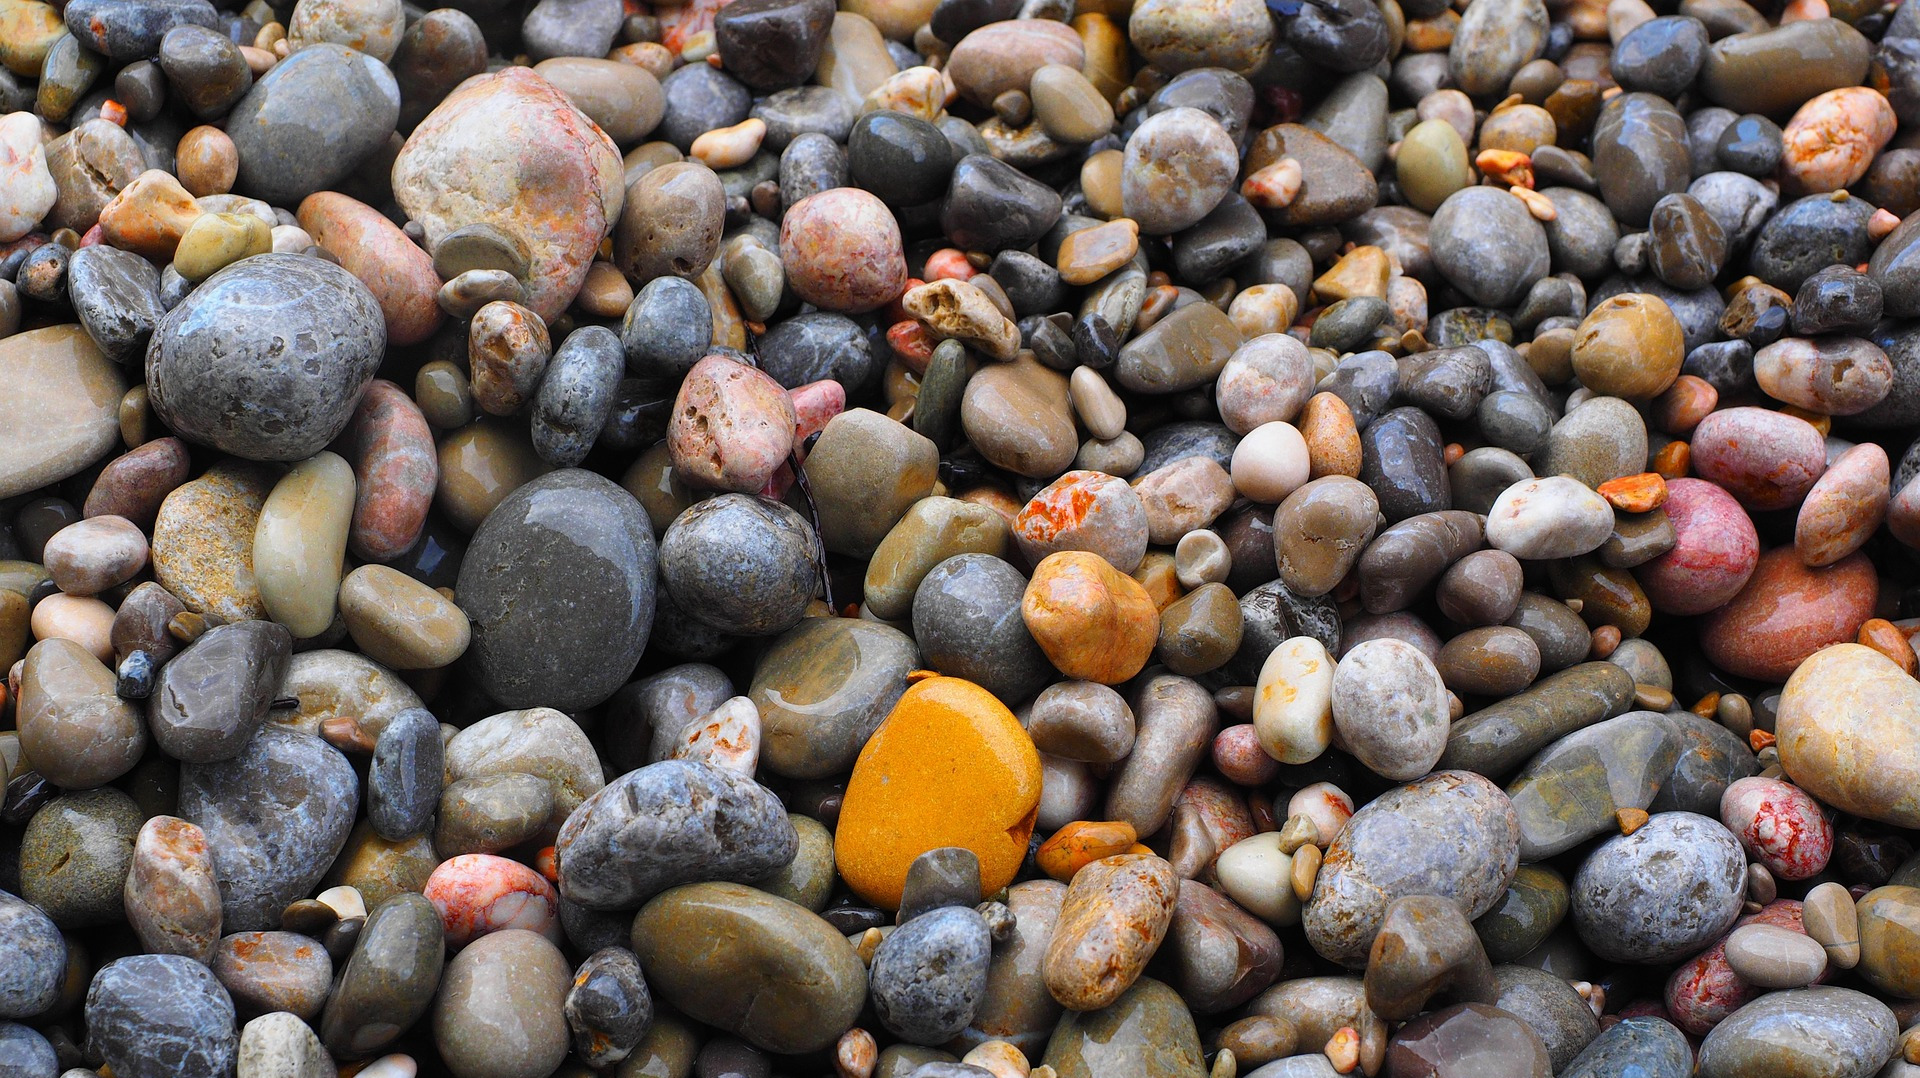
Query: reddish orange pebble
[[1635, 493], [1605, 639], [912, 343], [1083, 842], [1673, 460], [546, 864], [1685, 403], [1707, 706], [1453, 452], [1761, 739], [1886, 638], [950, 263]]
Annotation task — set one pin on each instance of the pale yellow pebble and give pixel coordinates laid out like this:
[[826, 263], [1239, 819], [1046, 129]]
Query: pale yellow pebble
[[301, 543], [217, 240]]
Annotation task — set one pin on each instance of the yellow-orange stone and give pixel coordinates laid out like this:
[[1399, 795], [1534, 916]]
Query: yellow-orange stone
[[950, 766], [1094, 622]]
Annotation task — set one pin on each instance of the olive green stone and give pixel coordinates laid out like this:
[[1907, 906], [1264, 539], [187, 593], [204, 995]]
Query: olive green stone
[[1497, 739], [934, 530], [389, 980], [489, 813], [1535, 903], [380, 869], [75, 854], [1200, 631], [667, 1051], [808, 879], [1573, 789], [1146, 1033], [752, 964]]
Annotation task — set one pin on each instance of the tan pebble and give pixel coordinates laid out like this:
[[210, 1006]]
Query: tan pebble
[[1306, 869], [918, 91], [1343, 1049], [149, 216], [998, 1058], [1882, 222], [960, 311], [1630, 819], [1100, 181], [1298, 831], [869, 943], [1363, 271], [656, 58], [1263, 309], [1275, 186], [1224, 1065], [1333, 441], [1091, 253], [606, 293], [730, 147], [82, 619], [259, 60], [207, 161], [1539, 205]]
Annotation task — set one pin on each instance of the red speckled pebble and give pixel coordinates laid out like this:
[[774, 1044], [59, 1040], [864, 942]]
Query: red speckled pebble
[[1767, 460], [841, 250], [478, 893], [1781, 826]]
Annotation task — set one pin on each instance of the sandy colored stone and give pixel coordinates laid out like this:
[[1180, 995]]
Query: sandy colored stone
[[59, 412], [203, 540]]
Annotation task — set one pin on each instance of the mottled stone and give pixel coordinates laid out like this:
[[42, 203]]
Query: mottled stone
[[161, 1016]]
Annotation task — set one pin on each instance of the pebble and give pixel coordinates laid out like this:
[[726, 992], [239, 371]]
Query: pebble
[[153, 1014], [509, 980], [927, 978], [64, 416]]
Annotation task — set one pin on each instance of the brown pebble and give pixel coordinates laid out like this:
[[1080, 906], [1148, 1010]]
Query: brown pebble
[[208, 163], [1630, 819], [1884, 637], [1306, 869]]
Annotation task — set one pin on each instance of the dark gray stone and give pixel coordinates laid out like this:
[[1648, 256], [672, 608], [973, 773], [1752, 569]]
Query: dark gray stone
[[389, 980], [571, 28], [559, 585], [608, 1008], [814, 346], [116, 298], [699, 99], [991, 205], [966, 619], [213, 696], [576, 395], [674, 822], [310, 121], [667, 329], [131, 29], [403, 782], [741, 564], [1649, 1047], [268, 357]]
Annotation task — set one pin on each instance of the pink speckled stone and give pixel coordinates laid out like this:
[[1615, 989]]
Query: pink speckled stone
[[510, 150], [1787, 612], [1781, 826], [841, 250], [395, 269], [1766, 459], [1845, 507], [1238, 755], [732, 427], [395, 469], [478, 893], [1714, 551], [813, 405], [1705, 989]]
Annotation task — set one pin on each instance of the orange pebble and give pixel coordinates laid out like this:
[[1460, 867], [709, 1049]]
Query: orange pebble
[[1630, 819], [1685, 403], [1507, 166], [1453, 452], [1158, 304], [1882, 222], [950, 263], [1083, 842], [1672, 460], [912, 343], [1707, 706], [1886, 638], [547, 864], [1761, 739], [113, 112], [1641, 493], [1605, 639], [1819, 420], [1139, 848]]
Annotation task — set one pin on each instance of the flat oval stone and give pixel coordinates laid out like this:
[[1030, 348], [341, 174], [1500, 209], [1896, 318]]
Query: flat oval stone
[[72, 724], [1543, 519], [823, 688], [1574, 788], [895, 809], [397, 271], [1390, 708], [161, 1016], [1116, 912], [1469, 852], [669, 823], [274, 971], [1827, 1031], [967, 622], [60, 414], [1715, 549], [287, 154], [585, 557], [275, 817], [75, 855], [1786, 612], [754, 965], [1834, 735]]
